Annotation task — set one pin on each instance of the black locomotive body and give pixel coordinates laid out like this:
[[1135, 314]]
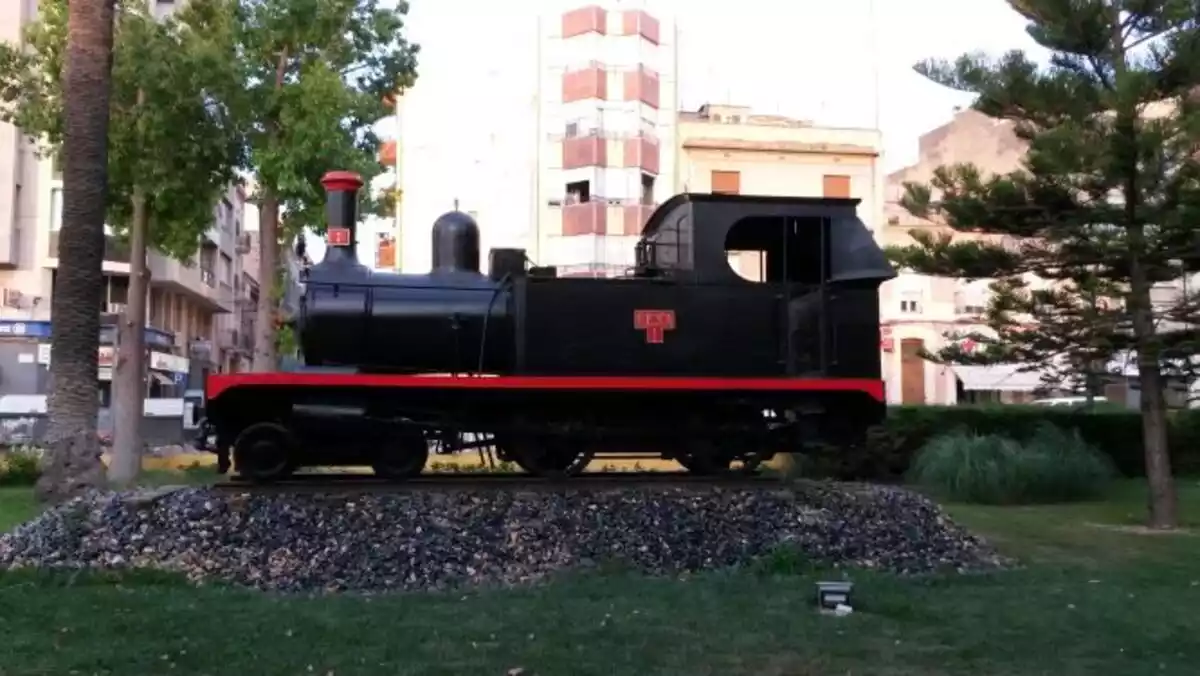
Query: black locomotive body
[[681, 357]]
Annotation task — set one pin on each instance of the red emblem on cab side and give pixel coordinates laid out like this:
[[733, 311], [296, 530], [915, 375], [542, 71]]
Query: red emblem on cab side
[[337, 237], [655, 323]]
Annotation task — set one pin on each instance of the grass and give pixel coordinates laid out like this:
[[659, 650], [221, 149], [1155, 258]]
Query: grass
[[1098, 597]]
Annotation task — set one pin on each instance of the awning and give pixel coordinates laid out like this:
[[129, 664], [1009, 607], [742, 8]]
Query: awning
[[998, 377], [162, 378]]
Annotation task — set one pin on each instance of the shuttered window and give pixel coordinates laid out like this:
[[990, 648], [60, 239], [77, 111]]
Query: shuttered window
[[727, 182], [836, 186]]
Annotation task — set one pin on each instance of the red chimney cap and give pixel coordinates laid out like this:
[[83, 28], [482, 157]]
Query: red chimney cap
[[338, 181]]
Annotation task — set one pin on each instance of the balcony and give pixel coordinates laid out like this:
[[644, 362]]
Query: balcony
[[635, 217], [243, 245], [637, 22], [115, 251], [642, 85], [591, 19], [195, 281], [585, 218], [642, 152], [587, 83], [586, 151]]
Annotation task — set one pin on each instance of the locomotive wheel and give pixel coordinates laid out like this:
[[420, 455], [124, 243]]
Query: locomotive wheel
[[263, 452], [702, 465], [404, 457], [708, 458], [551, 457]]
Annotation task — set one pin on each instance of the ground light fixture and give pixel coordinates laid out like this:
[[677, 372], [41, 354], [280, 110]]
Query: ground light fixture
[[834, 597]]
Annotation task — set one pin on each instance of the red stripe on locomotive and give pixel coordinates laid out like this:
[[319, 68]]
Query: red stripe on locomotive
[[219, 382]]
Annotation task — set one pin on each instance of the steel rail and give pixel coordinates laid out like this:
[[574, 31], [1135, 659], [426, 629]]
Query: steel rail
[[490, 481]]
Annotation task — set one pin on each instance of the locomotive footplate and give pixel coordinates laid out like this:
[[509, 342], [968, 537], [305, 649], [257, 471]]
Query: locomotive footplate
[[547, 425]]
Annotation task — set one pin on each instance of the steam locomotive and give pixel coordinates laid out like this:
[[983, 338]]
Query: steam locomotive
[[681, 357]]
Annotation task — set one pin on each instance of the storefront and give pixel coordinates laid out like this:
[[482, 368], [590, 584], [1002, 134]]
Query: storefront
[[168, 374], [25, 351]]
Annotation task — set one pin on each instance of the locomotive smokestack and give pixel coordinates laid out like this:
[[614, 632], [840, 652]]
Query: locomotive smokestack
[[341, 216]]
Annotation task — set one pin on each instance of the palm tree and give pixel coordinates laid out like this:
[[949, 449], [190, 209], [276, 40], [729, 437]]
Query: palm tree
[[73, 463]]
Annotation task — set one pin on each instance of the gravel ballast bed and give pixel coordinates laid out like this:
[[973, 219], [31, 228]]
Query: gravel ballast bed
[[424, 540]]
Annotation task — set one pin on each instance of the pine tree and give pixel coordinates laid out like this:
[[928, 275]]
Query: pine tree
[[1103, 207]]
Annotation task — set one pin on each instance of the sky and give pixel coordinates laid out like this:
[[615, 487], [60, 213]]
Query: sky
[[811, 59], [843, 64]]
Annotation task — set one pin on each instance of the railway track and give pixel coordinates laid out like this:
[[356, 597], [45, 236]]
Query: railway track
[[346, 482]]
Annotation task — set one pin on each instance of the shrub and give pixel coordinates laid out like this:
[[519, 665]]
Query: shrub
[[1053, 465], [891, 448], [20, 466], [1063, 467]]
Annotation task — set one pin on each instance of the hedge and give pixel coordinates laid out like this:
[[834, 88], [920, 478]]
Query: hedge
[[890, 448]]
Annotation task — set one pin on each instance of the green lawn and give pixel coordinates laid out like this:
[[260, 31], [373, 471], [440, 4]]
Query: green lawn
[[1098, 597]]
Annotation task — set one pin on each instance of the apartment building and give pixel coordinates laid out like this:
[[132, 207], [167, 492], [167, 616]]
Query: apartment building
[[918, 312], [731, 149], [561, 142], [189, 304], [608, 107]]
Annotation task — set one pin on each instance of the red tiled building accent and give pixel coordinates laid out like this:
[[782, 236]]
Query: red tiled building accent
[[584, 20], [637, 22], [586, 83], [585, 218], [642, 152], [642, 85], [635, 218], [587, 151]]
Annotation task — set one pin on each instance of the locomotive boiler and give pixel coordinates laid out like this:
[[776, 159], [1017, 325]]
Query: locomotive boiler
[[681, 356]]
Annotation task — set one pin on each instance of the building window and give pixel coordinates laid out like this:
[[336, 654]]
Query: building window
[[579, 191], [835, 186], [226, 269], [910, 306], [726, 182], [572, 129], [647, 189]]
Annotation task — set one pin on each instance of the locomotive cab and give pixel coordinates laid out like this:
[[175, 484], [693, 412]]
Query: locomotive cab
[[809, 307]]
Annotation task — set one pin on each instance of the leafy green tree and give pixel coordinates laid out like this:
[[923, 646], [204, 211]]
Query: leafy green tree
[[317, 74], [172, 151], [1104, 204]]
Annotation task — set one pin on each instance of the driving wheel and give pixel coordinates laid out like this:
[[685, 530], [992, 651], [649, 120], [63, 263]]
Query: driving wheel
[[263, 452], [403, 455], [552, 457]]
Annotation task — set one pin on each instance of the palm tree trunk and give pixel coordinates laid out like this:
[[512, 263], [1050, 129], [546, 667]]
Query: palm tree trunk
[[73, 462], [268, 264]]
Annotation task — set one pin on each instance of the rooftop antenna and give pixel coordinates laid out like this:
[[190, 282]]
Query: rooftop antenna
[[456, 204]]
